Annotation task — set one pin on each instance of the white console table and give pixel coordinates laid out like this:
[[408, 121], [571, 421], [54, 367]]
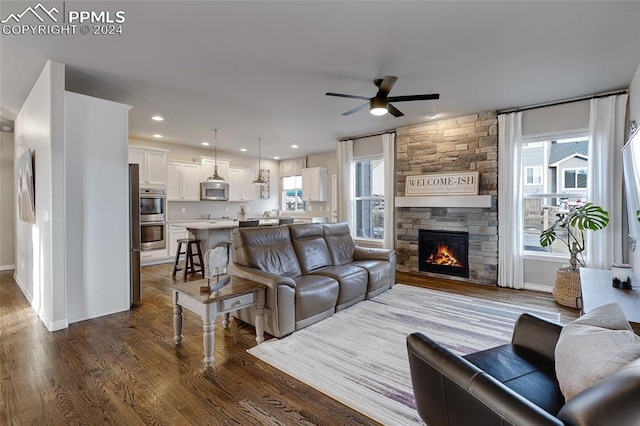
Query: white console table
[[597, 290]]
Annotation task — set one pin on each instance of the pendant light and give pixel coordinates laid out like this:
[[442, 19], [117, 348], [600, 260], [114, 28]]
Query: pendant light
[[260, 180], [215, 176]]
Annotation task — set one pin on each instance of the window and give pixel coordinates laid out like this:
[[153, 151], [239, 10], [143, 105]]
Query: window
[[369, 198], [575, 178], [555, 179], [292, 194], [533, 175]]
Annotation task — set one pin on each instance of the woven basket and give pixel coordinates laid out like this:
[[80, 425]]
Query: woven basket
[[566, 289]]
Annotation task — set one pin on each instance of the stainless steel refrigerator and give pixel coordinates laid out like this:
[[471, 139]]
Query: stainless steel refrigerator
[[134, 231]]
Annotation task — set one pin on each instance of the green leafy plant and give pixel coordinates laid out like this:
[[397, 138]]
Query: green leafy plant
[[638, 214], [576, 221]]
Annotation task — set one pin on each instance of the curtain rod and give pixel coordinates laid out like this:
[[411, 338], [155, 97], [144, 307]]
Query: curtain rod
[[566, 101], [367, 135]]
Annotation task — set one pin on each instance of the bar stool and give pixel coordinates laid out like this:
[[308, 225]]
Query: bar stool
[[189, 264]]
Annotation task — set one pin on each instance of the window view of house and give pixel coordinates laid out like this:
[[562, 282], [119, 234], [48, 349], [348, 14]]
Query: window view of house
[[292, 194], [369, 199], [554, 180]]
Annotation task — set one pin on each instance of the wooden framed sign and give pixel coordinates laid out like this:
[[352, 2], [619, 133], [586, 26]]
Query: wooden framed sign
[[462, 183]]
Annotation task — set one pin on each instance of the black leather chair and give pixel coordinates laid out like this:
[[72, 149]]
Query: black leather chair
[[514, 384]]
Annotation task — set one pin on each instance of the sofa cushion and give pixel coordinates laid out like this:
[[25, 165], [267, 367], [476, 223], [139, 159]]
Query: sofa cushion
[[267, 248], [340, 243], [353, 283], [526, 372], [380, 274], [310, 246], [315, 294], [592, 347]]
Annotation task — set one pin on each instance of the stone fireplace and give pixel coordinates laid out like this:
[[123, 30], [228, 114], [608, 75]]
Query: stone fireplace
[[468, 143]]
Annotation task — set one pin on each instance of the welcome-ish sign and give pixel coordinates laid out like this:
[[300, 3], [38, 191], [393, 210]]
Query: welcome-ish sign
[[463, 183]]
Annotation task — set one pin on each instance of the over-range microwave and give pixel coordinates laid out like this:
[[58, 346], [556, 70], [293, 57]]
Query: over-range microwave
[[212, 190]]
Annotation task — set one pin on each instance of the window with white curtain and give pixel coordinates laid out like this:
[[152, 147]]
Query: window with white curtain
[[552, 183], [369, 197]]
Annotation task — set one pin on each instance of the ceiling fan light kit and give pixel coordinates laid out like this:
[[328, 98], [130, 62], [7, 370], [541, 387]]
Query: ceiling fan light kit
[[380, 103], [378, 106]]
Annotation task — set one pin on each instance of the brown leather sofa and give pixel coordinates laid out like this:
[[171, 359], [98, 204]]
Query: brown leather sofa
[[311, 271], [514, 384]]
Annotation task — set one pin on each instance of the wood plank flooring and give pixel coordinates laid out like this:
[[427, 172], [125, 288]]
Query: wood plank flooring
[[125, 368]]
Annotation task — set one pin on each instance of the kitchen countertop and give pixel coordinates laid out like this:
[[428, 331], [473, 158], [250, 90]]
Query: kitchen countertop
[[233, 223]]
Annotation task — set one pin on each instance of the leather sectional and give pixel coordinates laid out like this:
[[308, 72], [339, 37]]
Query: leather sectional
[[311, 271]]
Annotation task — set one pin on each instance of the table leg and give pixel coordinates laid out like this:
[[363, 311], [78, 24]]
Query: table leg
[[259, 319], [225, 320], [177, 320], [207, 341]]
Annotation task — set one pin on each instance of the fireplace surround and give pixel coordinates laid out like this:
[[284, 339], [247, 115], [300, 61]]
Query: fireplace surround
[[443, 252]]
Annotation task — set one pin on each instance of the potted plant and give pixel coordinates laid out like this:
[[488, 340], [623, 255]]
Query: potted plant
[[575, 222]]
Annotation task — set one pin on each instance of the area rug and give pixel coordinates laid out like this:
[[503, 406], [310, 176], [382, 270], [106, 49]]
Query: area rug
[[359, 355]]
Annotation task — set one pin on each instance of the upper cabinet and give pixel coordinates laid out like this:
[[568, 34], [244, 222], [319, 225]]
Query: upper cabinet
[[314, 184], [153, 164], [183, 182], [240, 181], [208, 166]]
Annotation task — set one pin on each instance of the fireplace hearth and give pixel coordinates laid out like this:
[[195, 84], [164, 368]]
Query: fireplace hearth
[[444, 252]]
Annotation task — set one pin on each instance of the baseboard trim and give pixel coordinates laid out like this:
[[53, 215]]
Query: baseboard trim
[[7, 267], [538, 287]]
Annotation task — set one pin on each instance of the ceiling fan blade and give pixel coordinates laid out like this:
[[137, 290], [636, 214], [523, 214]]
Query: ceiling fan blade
[[341, 95], [394, 111], [356, 109], [387, 83], [413, 98]]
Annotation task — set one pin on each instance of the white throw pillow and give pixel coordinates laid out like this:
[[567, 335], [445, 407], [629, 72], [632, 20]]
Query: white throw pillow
[[592, 347]]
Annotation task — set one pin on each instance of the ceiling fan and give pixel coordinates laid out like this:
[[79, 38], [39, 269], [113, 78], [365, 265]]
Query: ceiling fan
[[380, 103]]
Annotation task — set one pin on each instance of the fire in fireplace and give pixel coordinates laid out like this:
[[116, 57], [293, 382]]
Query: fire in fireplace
[[444, 252]]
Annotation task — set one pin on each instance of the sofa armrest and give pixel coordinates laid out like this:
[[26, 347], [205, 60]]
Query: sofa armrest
[[537, 334], [450, 390], [370, 253], [611, 401], [258, 276]]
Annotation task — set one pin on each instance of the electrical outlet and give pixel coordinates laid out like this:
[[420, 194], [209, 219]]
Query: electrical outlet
[[183, 210], [226, 209]]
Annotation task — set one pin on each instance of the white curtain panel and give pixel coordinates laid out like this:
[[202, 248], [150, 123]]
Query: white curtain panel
[[510, 260], [604, 178], [389, 152], [345, 182]]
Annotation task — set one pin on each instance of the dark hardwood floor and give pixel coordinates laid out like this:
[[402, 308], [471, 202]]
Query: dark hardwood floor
[[125, 368]]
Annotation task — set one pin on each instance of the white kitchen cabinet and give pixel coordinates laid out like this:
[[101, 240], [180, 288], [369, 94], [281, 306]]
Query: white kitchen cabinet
[[208, 166], [176, 232], [241, 187], [314, 184], [183, 181], [153, 164]]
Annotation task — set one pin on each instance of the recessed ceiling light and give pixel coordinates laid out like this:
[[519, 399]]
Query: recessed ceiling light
[[205, 143], [276, 158], [294, 146], [432, 115], [157, 118], [243, 149], [157, 135]]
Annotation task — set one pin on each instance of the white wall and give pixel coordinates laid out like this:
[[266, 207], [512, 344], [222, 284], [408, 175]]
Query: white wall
[[97, 207], [634, 114], [7, 207], [39, 126]]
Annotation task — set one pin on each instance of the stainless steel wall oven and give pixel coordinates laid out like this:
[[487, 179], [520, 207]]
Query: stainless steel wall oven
[[153, 205]]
